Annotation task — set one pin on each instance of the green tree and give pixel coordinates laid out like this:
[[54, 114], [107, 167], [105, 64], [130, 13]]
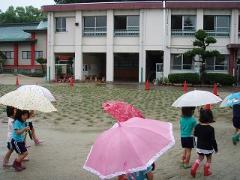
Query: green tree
[[3, 59], [201, 43], [21, 15], [43, 62]]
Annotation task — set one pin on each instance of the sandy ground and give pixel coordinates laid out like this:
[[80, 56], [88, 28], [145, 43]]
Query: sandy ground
[[69, 133], [64, 151]]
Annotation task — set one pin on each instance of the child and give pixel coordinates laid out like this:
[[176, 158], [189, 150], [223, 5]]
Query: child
[[140, 175], [33, 132], [187, 124], [236, 123], [11, 111], [206, 143], [18, 143]]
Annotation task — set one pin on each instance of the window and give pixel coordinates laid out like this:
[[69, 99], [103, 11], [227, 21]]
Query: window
[[126, 25], [60, 24], [183, 25], [217, 25], [217, 64], [95, 25], [38, 54], [8, 54], [181, 62], [26, 54]]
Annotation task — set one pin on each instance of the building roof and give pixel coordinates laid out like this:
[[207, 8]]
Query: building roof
[[19, 32], [184, 4]]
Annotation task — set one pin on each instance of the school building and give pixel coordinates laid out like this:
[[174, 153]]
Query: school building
[[22, 44], [135, 41]]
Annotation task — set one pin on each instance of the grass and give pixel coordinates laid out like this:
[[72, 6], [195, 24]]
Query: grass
[[83, 106]]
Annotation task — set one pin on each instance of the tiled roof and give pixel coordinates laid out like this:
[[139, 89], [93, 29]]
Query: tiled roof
[[17, 32]]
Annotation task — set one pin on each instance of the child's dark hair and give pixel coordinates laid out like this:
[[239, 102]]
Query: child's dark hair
[[188, 111], [10, 111], [206, 116], [19, 114]]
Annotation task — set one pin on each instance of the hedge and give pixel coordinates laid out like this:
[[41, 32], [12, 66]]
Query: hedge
[[192, 78], [223, 79]]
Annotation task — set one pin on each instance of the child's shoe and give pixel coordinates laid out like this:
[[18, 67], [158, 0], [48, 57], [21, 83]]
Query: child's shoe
[[207, 172], [186, 166], [6, 164], [235, 138], [17, 166], [195, 167]]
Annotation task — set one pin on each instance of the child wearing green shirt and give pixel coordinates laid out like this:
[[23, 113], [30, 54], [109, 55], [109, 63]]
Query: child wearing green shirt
[[187, 125]]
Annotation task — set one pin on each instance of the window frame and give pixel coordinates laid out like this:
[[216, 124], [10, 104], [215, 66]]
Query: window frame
[[215, 31], [182, 65], [183, 31], [129, 30], [8, 54], [225, 66], [38, 52], [95, 30], [61, 29], [28, 54]]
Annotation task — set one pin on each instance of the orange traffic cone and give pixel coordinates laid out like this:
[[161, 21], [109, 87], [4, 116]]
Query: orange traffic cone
[[17, 81], [147, 86], [185, 87], [215, 90]]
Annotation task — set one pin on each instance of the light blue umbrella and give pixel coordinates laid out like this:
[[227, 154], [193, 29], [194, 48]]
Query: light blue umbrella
[[231, 100]]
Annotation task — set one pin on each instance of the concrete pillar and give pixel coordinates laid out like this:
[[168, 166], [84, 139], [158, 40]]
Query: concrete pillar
[[234, 27], [199, 19], [167, 41], [142, 54], [78, 64], [50, 52], [109, 53]]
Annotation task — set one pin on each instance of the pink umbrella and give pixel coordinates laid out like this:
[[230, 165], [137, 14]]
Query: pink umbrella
[[121, 111], [129, 147]]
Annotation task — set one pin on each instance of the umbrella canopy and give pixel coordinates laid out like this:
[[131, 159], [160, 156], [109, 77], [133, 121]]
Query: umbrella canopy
[[27, 101], [121, 111], [231, 100], [196, 98], [130, 147], [38, 90]]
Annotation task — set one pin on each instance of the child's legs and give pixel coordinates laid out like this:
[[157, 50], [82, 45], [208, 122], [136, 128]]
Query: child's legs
[[200, 157], [188, 155], [21, 157], [209, 158], [184, 155], [7, 156], [34, 136]]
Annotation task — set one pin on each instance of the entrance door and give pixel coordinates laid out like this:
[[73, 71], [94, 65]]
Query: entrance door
[[159, 71]]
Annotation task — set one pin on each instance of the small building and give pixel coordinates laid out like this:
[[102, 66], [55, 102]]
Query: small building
[[22, 44], [135, 41]]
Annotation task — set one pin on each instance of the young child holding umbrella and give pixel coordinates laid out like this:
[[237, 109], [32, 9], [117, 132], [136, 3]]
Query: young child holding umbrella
[[236, 123]]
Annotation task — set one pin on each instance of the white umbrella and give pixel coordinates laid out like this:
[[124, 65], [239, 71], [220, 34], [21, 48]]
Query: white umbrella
[[27, 101], [39, 90], [196, 98]]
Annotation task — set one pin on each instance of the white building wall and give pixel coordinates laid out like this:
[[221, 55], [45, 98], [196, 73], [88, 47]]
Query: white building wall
[[155, 34]]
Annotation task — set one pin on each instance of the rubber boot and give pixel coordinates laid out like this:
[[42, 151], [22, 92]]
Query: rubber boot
[[17, 166], [207, 171], [195, 167], [235, 138]]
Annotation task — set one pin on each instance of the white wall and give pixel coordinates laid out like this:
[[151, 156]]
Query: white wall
[[24, 47]]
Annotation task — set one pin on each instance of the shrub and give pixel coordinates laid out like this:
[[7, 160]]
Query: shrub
[[192, 78], [223, 79]]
